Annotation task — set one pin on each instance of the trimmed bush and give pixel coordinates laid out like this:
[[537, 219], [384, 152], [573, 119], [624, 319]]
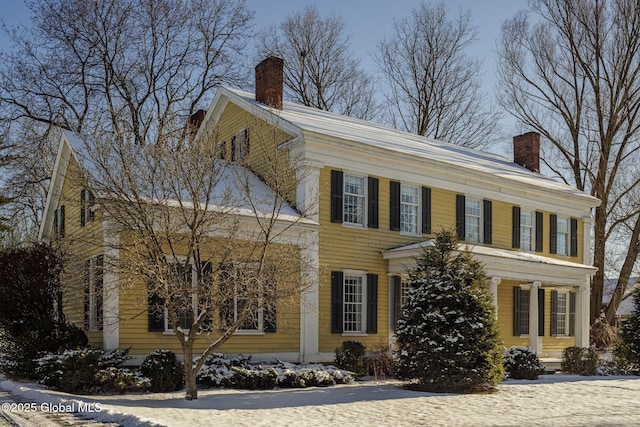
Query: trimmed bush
[[82, 371], [581, 361], [522, 363], [121, 380], [352, 357], [218, 369], [164, 370], [627, 348]]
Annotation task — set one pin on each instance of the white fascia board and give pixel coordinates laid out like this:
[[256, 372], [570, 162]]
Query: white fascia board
[[404, 167], [56, 183]]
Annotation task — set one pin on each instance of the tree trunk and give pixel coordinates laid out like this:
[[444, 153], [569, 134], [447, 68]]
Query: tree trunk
[[191, 389], [597, 285]]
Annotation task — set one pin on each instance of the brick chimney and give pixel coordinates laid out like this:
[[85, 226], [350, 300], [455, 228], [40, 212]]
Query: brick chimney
[[197, 118], [269, 81], [526, 151]]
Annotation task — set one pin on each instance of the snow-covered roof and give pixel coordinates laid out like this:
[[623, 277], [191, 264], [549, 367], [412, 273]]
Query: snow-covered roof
[[312, 120], [227, 192]]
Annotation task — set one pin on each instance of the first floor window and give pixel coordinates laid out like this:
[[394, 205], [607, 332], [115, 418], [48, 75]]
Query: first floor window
[[93, 293], [563, 304], [184, 302], [522, 311], [401, 286], [409, 203], [354, 296]]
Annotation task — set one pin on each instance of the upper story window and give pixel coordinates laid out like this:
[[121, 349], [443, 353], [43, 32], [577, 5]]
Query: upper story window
[[240, 145], [354, 200], [474, 219], [58, 222], [526, 230], [563, 236], [409, 207], [86, 203]]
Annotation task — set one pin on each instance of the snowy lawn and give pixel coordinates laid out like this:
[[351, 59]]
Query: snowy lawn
[[565, 400]]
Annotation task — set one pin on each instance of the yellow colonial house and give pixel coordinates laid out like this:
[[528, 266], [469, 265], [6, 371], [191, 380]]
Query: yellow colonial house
[[378, 196]]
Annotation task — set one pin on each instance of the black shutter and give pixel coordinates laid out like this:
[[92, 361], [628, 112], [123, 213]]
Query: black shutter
[[553, 235], [554, 313], [517, 313], [574, 237], [372, 304], [337, 283], [90, 202], [460, 214], [372, 189], [572, 314], [87, 293], [540, 312], [515, 230], [82, 207], [539, 233], [426, 210], [337, 189], [98, 288], [396, 284], [56, 223], [155, 310], [488, 222], [394, 205]]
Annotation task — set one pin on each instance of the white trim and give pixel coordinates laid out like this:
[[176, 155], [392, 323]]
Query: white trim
[[365, 197], [583, 300], [310, 301], [534, 341]]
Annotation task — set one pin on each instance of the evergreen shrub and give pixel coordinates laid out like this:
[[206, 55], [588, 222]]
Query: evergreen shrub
[[351, 355], [522, 363], [164, 370]]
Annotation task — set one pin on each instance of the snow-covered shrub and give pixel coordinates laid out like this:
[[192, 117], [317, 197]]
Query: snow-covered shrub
[[76, 371], [254, 378], [164, 370], [216, 370], [120, 380], [351, 355], [522, 363], [627, 348], [581, 361], [447, 336]]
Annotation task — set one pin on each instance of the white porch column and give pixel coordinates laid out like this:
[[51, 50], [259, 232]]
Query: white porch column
[[110, 287], [493, 289], [582, 313], [534, 342]]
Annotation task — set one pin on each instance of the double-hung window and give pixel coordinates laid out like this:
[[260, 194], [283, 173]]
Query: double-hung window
[[184, 297], [563, 306], [58, 222], [401, 286], [526, 230], [409, 208], [522, 310], [354, 302], [472, 220], [353, 307], [562, 236], [86, 205], [354, 200], [240, 145]]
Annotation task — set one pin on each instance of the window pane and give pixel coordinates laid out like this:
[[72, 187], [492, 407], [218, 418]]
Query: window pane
[[562, 314], [352, 303], [524, 310], [563, 236], [526, 230]]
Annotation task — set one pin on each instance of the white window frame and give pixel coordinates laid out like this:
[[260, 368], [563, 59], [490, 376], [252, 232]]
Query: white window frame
[[361, 328], [259, 315], [93, 295], [87, 205], [359, 197], [527, 229], [563, 250], [562, 325], [171, 260], [408, 228], [469, 237], [59, 222]]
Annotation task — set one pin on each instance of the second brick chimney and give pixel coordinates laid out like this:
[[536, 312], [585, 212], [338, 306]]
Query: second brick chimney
[[269, 81], [526, 150]]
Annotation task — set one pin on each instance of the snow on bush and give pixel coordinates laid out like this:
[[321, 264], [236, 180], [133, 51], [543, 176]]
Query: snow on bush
[[522, 363]]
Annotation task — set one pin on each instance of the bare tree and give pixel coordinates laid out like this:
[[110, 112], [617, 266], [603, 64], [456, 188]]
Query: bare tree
[[571, 71], [320, 69], [217, 247], [123, 65], [433, 85]]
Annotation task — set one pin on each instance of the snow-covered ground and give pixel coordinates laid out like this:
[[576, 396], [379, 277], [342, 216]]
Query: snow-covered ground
[[551, 400]]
